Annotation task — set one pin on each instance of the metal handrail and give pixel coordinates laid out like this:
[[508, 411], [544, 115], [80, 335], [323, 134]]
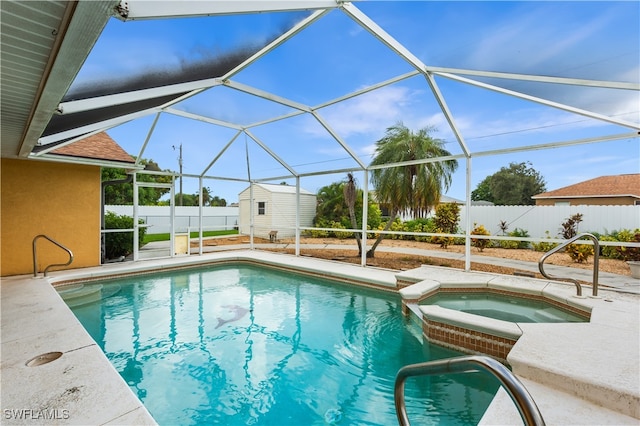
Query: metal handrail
[[523, 400], [596, 259], [35, 256]]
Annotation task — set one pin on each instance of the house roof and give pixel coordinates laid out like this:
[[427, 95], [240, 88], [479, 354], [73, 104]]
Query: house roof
[[99, 146], [603, 186]]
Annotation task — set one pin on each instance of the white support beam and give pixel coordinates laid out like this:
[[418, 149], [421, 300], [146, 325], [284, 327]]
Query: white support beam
[[537, 78], [134, 10], [106, 124], [85, 161], [368, 89], [553, 145], [447, 113], [202, 118], [546, 102], [266, 95], [418, 162], [220, 153], [147, 138], [337, 137], [277, 42], [368, 24], [54, 146], [271, 153], [274, 119], [71, 107]]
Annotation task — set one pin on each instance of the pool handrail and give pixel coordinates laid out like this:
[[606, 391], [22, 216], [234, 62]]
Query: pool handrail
[[596, 259], [523, 400], [35, 256]]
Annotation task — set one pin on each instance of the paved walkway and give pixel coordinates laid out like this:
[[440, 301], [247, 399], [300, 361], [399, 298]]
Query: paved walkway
[[621, 282]]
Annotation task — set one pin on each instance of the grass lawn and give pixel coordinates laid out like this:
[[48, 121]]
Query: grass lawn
[[148, 238]]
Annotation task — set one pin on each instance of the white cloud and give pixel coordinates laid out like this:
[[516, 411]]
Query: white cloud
[[368, 114]]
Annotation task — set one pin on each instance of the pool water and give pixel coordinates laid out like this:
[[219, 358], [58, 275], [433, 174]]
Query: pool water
[[503, 307], [242, 345]]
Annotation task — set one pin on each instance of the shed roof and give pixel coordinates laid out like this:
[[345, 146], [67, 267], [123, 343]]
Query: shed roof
[[280, 189], [99, 146], [604, 186]]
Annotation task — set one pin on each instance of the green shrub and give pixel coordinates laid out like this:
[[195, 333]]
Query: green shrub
[[117, 244], [520, 233], [340, 234], [610, 252], [446, 222], [579, 252], [480, 243], [508, 244], [629, 253], [543, 245]]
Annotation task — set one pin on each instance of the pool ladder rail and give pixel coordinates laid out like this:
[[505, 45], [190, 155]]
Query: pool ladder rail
[[523, 400], [596, 258], [35, 255]]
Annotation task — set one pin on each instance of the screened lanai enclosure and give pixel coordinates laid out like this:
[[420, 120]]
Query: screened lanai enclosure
[[298, 92]]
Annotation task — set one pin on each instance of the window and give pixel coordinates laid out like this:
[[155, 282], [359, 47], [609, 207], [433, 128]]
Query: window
[[262, 207]]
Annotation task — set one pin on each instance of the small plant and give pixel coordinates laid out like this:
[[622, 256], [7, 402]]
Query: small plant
[[570, 226], [503, 225], [544, 245], [480, 243]]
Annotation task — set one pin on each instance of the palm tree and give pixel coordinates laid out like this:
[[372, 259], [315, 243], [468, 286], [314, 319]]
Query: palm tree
[[413, 188], [349, 190]]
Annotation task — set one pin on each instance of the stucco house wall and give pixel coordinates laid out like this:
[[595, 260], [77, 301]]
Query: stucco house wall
[[59, 200]]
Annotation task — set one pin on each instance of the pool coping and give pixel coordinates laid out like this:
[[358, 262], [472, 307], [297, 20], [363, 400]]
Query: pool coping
[[35, 320]]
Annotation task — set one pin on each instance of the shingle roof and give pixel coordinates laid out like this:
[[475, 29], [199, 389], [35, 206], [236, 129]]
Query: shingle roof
[[99, 146], [603, 186]]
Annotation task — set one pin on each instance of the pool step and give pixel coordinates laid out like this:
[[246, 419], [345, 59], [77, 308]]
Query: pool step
[[80, 294]]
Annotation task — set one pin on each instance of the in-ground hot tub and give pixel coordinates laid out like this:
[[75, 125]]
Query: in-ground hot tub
[[482, 318], [505, 306]]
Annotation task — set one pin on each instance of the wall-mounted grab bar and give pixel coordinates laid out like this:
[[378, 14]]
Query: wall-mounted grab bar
[[467, 364], [596, 258], [35, 256]]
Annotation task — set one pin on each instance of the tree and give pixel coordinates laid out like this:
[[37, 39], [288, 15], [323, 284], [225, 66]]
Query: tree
[[330, 207], [330, 203], [412, 188], [513, 185], [122, 194], [349, 191]]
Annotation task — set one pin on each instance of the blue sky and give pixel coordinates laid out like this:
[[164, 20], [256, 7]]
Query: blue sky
[[335, 56]]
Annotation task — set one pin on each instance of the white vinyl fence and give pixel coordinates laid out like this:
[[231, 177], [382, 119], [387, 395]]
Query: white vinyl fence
[[536, 220], [186, 218]]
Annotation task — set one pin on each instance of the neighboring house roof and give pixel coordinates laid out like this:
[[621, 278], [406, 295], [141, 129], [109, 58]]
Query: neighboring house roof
[[604, 186], [99, 146], [282, 189]]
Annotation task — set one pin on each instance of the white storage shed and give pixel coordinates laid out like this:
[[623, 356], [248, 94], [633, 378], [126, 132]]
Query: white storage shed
[[274, 209]]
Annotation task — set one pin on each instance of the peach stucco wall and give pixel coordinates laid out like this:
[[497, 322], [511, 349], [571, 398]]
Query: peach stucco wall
[[56, 199]]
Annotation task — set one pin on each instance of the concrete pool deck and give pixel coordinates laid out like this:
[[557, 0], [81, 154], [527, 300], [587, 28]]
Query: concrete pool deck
[[577, 373]]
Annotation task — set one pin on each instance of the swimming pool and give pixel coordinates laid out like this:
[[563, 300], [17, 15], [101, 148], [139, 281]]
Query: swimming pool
[[239, 344]]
